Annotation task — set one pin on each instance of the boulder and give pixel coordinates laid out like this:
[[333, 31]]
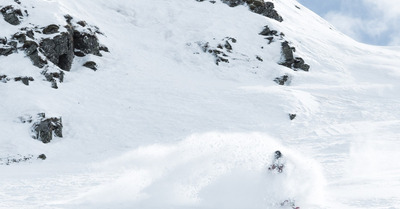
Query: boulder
[[42, 157], [45, 128], [300, 64], [90, 64], [51, 29], [11, 15]]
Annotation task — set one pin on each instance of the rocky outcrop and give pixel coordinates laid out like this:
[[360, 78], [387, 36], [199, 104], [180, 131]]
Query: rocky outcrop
[[261, 7], [53, 43], [289, 60], [45, 128], [292, 116]]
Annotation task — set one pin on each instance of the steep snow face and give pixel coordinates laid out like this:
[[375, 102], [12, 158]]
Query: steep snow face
[[160, 124]]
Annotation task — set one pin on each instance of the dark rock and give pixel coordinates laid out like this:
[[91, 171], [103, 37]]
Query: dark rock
[[292, 116], [270, 39], [31, 50], [299, 63], [282, 80], [266, 9], [68, 18], [290, 61], [269, 11], [51, 29], [30, 34], [3, 40], [25, 80], [13, 44], [92, 65], [52, 76], [228, 46], [4, 78], [259, 59], [20, 37], [104, 48], [87, 43], [42, 157], [45, 128], [79, 53], [82, 23], [59, 50], [287, 53], [11, 15], [6, 50], [268, 32], [30, 47]]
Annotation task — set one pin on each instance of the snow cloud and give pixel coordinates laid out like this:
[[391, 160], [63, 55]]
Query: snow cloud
[[369, 21]]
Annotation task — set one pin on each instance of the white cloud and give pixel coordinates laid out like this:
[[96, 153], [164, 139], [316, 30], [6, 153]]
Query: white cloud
[[371, 21]]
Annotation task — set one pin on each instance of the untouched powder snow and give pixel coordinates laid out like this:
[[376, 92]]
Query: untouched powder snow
[[160, 125]]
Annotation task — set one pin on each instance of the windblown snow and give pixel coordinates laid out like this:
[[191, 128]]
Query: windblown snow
[[161, 125]]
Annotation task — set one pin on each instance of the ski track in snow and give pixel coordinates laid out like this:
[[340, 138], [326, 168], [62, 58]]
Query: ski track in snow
[[161, 126]]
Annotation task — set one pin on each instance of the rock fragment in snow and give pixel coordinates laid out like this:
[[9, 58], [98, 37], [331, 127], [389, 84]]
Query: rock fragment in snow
[[24, 79], [283, 80], [42, 157], [90, 64]]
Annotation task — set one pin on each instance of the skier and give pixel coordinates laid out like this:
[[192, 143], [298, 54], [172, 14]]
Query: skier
[[278, 163]]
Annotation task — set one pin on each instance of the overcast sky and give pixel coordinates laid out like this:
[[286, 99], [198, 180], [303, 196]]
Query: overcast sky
[[370, 21]]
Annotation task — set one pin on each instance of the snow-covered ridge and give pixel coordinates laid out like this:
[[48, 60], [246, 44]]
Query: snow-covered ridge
[[160, 124]]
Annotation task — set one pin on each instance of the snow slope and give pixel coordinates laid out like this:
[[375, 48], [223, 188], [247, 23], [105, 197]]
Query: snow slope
[[160, 125]]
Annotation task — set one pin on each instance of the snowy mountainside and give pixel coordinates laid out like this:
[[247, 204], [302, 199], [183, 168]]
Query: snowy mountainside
[[163, 123]]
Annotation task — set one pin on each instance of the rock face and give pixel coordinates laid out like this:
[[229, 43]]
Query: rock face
[[12, 15], [266, 9], [59, 50], [45, 128]]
